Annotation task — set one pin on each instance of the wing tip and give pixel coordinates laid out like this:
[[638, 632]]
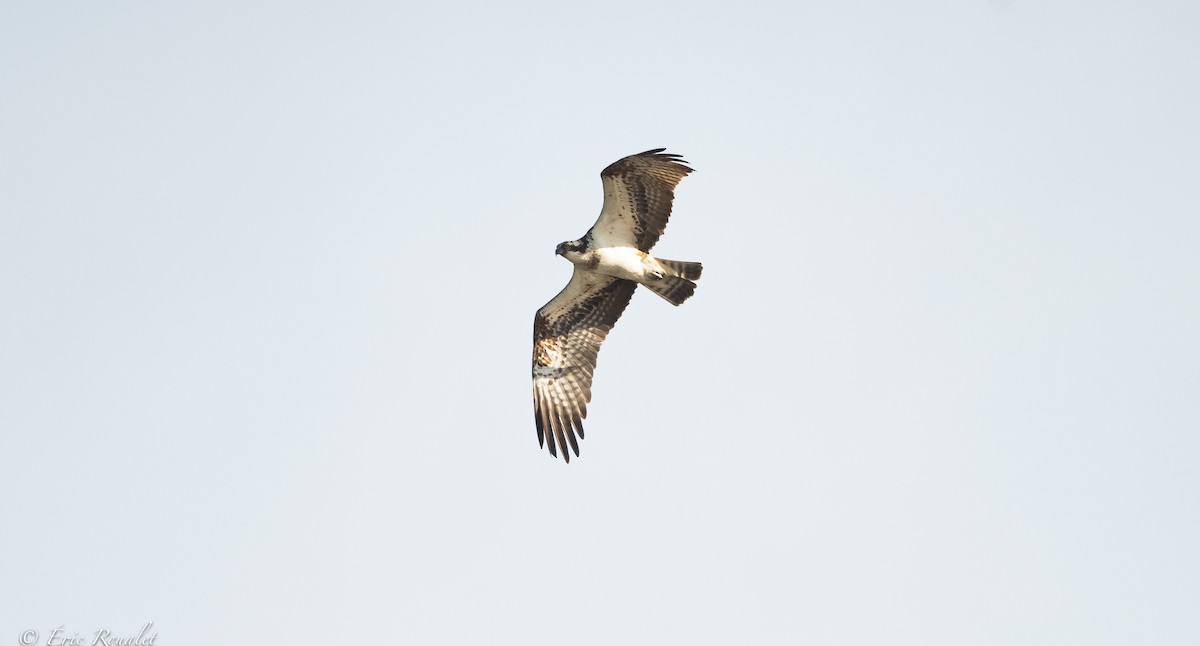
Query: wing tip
[[554, 433], [657, 154]]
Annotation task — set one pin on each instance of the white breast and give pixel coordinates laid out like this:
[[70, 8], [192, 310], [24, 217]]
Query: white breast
[[621, 262]]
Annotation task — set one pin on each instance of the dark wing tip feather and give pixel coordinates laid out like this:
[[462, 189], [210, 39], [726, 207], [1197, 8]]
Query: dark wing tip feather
[[550, 441], [641, 160]]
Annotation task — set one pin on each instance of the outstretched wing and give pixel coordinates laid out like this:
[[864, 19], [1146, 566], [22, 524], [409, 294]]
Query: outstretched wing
[[638, 192], [567, 333]]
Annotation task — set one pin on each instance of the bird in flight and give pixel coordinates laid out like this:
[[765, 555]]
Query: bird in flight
[[610, 261]]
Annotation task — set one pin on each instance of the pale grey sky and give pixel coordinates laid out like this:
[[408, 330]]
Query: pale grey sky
[[268, 273]]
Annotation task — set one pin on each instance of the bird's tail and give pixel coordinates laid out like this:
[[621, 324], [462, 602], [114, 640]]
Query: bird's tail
[[676, 285], [679, 269]]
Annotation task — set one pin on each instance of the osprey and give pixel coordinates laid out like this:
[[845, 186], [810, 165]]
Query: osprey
[[610, 260]]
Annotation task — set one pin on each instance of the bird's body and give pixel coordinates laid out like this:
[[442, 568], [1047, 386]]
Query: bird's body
[[617, 262], [610, 261]]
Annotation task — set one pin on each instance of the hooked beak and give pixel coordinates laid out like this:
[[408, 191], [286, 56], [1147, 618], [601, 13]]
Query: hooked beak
[[558, 250]]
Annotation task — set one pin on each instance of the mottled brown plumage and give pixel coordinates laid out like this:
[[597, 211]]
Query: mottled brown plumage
[[641, 188], [567, 334]]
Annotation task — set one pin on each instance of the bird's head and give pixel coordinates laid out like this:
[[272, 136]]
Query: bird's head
[[570, 249]]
